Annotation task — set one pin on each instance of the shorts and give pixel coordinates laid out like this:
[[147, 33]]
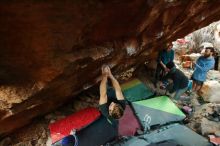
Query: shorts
[[200, 83]]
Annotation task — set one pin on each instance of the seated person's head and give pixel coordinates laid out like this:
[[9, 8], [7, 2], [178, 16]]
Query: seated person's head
[[170, 65], [115, 110], [169, 46]]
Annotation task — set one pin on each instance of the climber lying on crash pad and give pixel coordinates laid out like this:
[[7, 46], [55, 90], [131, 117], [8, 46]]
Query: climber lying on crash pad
[[112, 103]]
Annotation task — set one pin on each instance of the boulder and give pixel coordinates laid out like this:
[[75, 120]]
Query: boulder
[[209, 127], [210, 91]]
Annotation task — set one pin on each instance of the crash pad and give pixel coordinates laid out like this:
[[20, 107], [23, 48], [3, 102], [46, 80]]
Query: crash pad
[[157, 111], [171, 135], [178, 133], [135, 90], [96, 134], [128, 141], [165, 143], [128, 123], [77, 121]]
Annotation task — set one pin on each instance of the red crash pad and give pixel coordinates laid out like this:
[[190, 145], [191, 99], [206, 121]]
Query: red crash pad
[[77, 121], [128, 123]]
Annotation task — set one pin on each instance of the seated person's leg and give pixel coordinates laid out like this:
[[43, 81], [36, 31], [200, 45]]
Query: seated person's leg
[[179, 93]]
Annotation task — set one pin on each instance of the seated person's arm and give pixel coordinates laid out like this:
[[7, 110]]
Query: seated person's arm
[[159, 60], [162, 64]]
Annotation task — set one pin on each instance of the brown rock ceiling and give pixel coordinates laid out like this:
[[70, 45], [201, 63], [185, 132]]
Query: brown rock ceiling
[[51, 50]]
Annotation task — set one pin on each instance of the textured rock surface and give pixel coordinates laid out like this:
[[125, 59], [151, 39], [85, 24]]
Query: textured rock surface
[[52, 50], [210, 91], [204, 119], [37, 133], [208, 127]]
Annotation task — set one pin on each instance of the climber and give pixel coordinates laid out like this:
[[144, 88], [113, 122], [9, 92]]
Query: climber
[[180, 81], [112, 102], [165, 56], [203, 64]]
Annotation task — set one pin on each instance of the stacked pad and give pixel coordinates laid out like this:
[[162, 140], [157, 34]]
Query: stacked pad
[[171, 135], [128, 141], [157, 111], [135, 90], [178, 133]]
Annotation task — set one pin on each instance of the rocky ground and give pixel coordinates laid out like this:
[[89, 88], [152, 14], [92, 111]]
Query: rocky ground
[[204, 119], [37, 133]]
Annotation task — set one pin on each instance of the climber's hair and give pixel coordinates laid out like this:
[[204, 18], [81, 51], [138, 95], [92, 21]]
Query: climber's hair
[[117, 111], [170, 65]]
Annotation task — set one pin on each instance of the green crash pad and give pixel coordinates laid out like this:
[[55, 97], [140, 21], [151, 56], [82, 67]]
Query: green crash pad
[[159, 110], [135, 90]]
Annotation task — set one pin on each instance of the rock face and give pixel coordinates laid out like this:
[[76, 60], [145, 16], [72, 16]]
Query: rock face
[[210, 91], [205, 119], [52, 50]]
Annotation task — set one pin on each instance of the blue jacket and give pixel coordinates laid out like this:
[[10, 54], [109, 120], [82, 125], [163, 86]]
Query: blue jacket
[[202, 66], [165, 56]]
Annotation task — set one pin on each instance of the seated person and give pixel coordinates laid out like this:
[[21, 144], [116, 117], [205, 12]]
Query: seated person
[[164, 56], [180, 81], [111, 107]]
